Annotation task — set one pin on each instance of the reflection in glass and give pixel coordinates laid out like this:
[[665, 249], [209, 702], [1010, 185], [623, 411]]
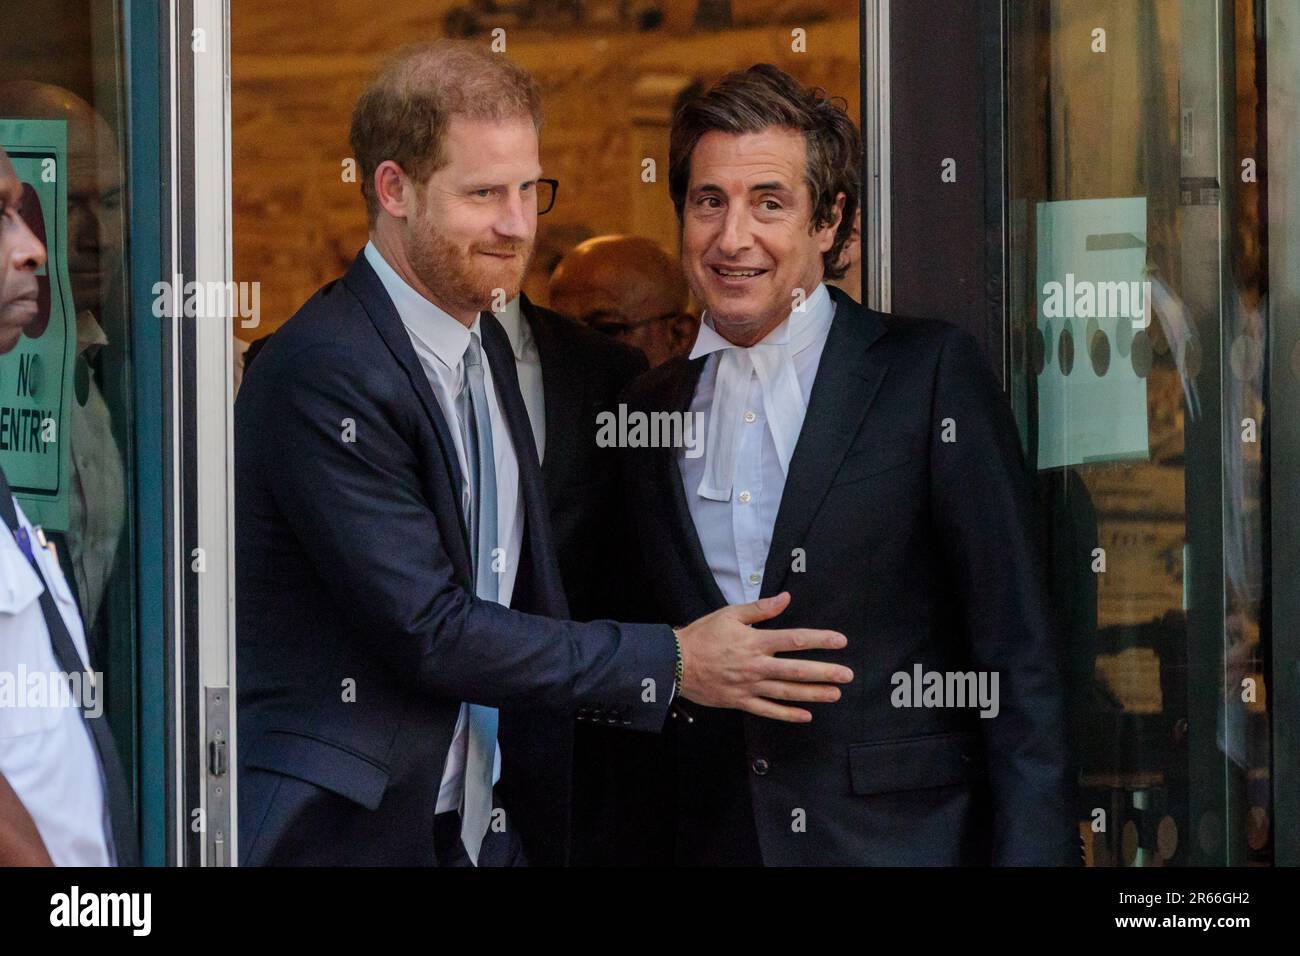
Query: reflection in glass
[[62, 63], [1127, 119]]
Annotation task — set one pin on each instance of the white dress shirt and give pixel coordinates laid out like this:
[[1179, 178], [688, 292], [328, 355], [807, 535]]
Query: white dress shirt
[[734, 489], [528, 363], [440, 342], [46, 752]]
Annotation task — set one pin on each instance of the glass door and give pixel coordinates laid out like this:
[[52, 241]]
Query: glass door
[[116, 113], [1136, 271], [77, 118]]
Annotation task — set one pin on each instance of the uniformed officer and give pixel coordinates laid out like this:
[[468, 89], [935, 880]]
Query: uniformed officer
[[63, 796]]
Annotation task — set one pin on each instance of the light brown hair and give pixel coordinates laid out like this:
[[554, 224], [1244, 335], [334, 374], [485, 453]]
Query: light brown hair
[[403, 115]]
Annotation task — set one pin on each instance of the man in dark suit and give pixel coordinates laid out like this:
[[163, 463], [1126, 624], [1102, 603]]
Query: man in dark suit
[[870, 466], [569, 375], [407, 680]]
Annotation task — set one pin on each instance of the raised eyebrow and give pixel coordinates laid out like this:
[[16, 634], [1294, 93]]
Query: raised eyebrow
[[773, 187]]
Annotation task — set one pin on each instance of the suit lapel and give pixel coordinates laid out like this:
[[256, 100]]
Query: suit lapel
[[678, 392], [365, 285], [563, 400], [848, 378]]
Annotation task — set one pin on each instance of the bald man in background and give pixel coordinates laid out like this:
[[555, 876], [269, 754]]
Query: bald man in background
[[628, 288]]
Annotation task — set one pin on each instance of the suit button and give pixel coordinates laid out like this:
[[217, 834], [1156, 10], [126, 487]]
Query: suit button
[[760, 766]]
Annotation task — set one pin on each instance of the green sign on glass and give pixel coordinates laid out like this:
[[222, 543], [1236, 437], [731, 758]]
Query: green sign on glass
[[36, 375]]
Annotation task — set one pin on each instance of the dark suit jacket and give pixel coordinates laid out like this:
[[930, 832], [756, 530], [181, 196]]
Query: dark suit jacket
[[358, 632], [582, 374], [920, 550]]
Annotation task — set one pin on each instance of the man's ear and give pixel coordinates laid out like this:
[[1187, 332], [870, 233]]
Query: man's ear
[[393, 189], [828, 231], [682, 329]]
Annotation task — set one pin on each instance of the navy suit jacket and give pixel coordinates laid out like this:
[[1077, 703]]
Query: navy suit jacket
[[358, 631], [922, 551], [583, 372]]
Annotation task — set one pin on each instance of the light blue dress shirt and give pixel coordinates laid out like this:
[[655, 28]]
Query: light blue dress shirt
[[736, 533], [440, 341]]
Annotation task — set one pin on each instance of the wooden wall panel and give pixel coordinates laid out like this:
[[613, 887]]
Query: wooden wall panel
[[298, 66]]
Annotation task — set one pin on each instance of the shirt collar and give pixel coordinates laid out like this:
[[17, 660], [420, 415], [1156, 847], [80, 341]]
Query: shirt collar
[[90, 335], [799, 329], [440, 332]]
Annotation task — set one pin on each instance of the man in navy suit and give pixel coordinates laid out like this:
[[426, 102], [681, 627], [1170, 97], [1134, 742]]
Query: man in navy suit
[[408, 683], [871, 466]]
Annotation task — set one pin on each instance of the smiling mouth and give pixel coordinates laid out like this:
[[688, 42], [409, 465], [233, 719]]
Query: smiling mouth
[[737, 274]]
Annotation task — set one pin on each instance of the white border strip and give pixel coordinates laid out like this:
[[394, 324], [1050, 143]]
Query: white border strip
[[213, 380]]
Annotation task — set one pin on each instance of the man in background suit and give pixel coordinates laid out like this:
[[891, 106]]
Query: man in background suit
[[408, 681], [568, 375], [871, 466]]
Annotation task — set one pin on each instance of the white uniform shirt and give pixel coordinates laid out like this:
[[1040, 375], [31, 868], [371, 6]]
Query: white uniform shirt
[[46, 750], [440, 342]]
